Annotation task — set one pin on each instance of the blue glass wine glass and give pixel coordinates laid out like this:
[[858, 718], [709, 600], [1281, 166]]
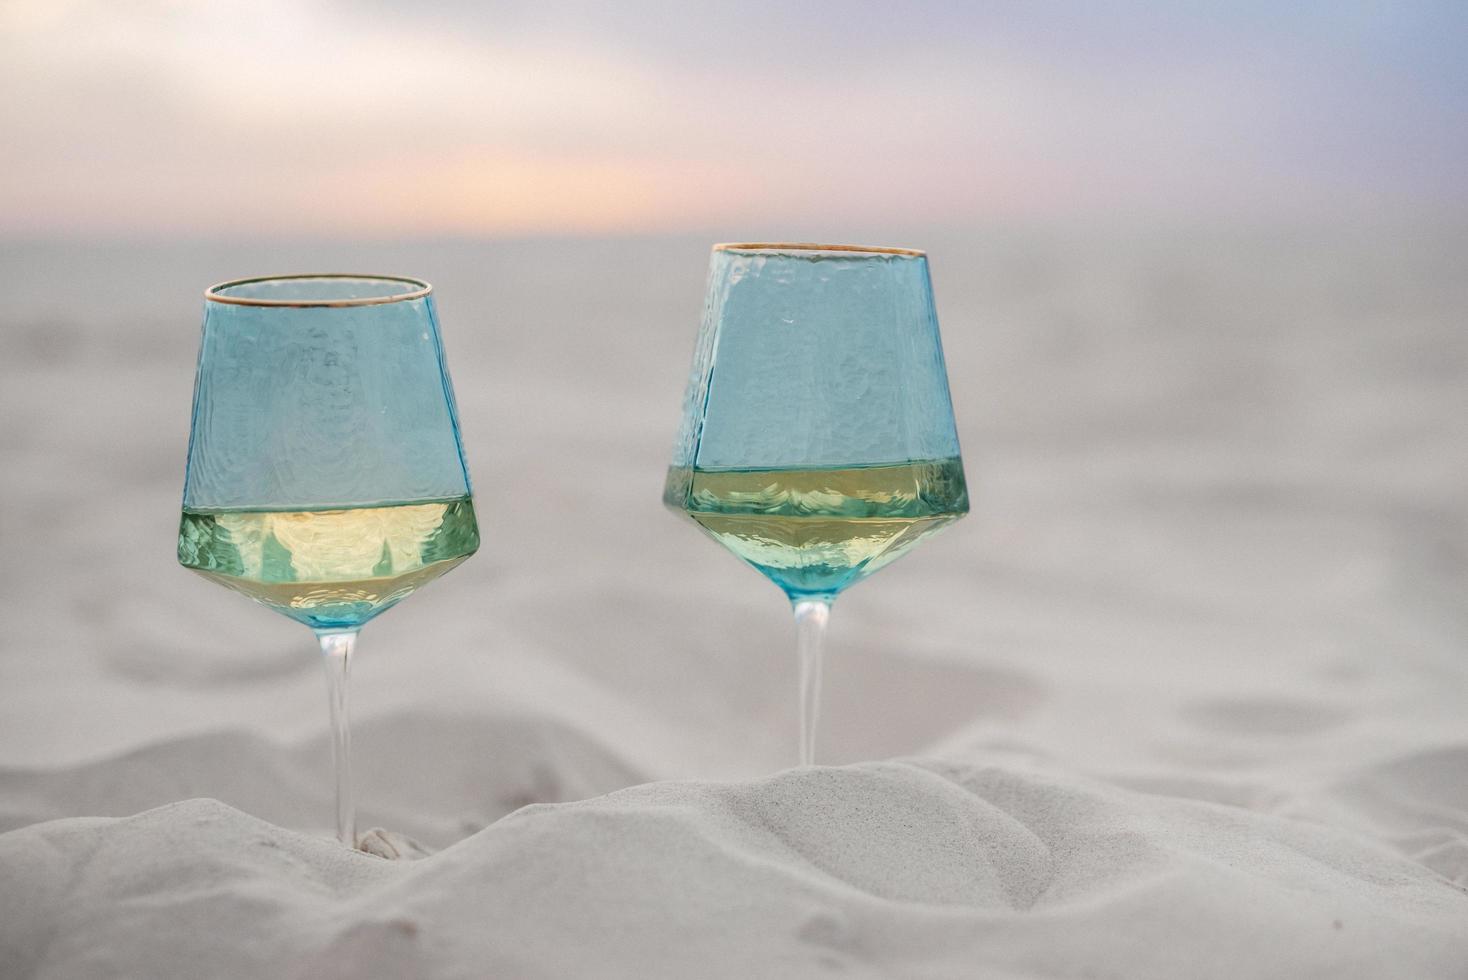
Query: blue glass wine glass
[[325, 477], [818, 441]]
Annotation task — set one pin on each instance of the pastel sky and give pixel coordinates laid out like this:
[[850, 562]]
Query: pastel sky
[[157, 118]]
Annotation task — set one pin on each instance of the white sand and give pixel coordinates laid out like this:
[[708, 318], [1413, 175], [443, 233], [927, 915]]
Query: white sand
[[1184, 698]]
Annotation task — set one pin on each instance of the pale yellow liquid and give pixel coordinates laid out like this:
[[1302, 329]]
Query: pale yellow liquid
[[329, 568], [816, 531]]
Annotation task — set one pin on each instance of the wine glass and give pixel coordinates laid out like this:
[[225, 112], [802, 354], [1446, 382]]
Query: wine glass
[[817, 441], [325, 477]]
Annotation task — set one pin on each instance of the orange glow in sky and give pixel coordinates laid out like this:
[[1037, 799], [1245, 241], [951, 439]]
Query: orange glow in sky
[[310, 117]]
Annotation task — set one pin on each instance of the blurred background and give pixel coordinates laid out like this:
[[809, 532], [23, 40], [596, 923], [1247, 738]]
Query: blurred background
[[1203, 283]]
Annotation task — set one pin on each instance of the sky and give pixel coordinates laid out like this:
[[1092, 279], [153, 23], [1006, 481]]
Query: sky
[[168, 118]]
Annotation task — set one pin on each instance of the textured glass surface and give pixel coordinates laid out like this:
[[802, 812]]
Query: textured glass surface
[[812, 357], [322, 406], [817, 440], [325, 474]]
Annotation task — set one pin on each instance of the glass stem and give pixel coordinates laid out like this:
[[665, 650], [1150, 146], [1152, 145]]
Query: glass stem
[[336, 650], [811, 616]]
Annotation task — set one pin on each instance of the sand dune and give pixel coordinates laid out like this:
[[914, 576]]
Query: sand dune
[[433, 776], [912, 869]]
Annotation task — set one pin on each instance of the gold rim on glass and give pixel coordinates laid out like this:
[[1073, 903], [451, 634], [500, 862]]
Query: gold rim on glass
[[214, 295], [813, 247]]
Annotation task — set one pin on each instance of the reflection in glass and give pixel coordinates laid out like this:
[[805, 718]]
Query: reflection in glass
[[817, 441], [325, 475]]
